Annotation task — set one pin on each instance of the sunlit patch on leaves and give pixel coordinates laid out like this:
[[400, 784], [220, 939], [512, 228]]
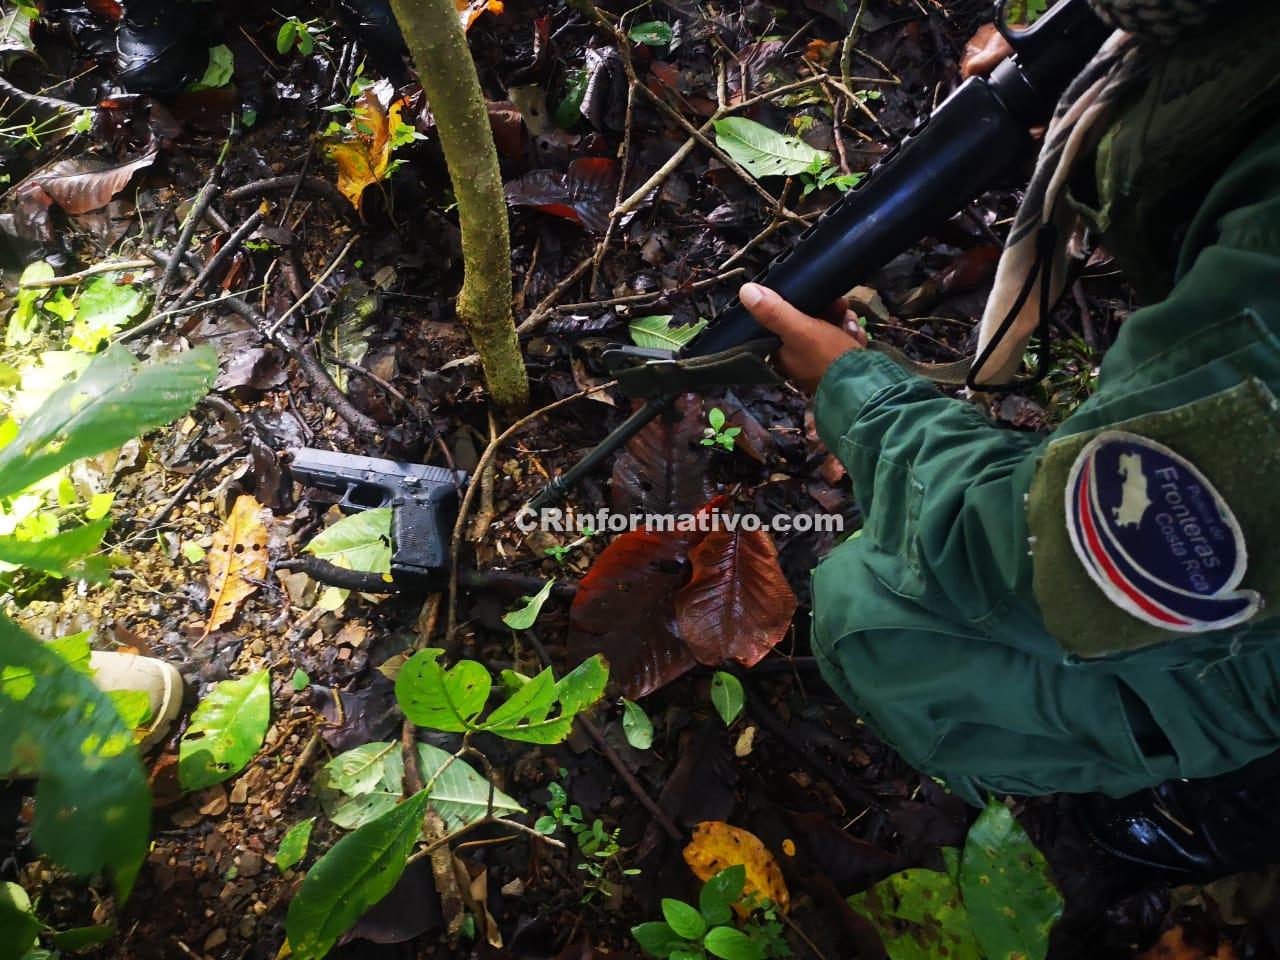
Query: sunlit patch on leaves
[[58, 725], [105, 307], [226, 731], [113, 400]]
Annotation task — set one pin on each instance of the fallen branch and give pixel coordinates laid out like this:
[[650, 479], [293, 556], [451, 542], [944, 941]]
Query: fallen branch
[[327, 391], [71, 279], [241, 234]]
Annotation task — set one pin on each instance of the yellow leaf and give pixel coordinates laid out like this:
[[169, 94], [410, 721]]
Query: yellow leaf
[[237, 558], [470, 10], [364, 153], [717, 846]]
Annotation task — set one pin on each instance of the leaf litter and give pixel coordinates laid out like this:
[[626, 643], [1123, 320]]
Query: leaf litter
[[667, 610]]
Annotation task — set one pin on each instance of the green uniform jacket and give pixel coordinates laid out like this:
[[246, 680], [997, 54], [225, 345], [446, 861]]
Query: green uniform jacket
[[963, 627]]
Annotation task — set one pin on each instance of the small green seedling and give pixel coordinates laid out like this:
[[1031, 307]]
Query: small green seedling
[[821, 175], [561, 551], [597, 845], [301, 35], [718, 434], [689, 933]]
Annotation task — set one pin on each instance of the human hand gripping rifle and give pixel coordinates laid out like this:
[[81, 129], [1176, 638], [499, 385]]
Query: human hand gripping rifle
[[974, 140]]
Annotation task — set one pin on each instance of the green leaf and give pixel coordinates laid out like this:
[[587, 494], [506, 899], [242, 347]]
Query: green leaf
[[82, 938], [569, 110], [22, 322], [218, 73], [300, 679], [716, 418], [919, 916], [720, 893], [636, 725], [54, 554], [113, 400], [1007, 889], [106, 307], [683, 919], [293, 846], [524, 616], [360, 870], [460, 795], [18, 925], [359, 770], [655, 33], [657, 939], [728, 696], [285, 37], [17, 681], [361, 541], [134, 707], [764, 152], [576, 691], [63, 728], [730, 944], [448, 700], [226, 731], [657, 333], [193, 552]]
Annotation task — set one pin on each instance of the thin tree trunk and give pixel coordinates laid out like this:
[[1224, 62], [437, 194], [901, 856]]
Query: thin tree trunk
[[438, 45]]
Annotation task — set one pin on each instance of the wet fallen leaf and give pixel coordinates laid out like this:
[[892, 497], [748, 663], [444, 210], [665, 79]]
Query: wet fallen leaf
[[88, 183], [664, 468], [625, 609], [584, 193], [738, 604], [717, 845], [237, 559]]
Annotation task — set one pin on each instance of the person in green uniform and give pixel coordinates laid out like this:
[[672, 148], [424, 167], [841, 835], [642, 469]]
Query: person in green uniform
[[1091, 612]]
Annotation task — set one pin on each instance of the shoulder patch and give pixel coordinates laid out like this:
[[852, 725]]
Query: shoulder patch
[[1155, 536]]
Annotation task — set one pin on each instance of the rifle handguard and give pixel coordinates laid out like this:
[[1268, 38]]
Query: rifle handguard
[[661, 373]]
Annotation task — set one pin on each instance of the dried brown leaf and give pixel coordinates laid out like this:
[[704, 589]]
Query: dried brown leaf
[[237, 559]]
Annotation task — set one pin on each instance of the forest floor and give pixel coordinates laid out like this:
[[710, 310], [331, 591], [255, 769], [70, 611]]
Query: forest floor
[[373, 362]]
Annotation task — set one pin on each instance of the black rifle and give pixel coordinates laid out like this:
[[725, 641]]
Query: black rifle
[[423, 501], [974, 140]]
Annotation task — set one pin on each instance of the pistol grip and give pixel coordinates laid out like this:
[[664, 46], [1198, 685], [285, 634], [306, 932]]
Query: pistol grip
[[419, 544]]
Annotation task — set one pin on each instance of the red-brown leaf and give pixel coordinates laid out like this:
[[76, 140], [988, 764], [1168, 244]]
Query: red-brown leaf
[[86, 184], [625, 609], [664, 468], [584, 193], [738, 604]]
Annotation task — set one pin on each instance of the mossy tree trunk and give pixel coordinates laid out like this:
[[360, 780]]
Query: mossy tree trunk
[[438, 45]]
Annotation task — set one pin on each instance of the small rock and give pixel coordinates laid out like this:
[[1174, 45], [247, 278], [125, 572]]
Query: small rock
[[513, 889], [215, 939], [239, 791], [250, 864]]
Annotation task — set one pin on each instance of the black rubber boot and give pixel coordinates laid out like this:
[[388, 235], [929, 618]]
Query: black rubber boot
[[1193, 831], [159, 48]]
